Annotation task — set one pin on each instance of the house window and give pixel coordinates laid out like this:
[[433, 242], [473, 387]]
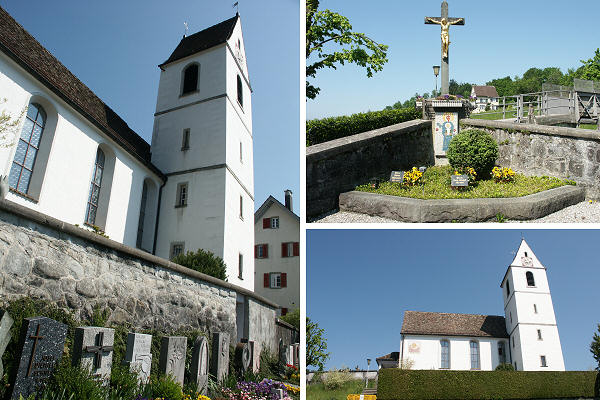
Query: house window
[[271, 223], [176, 249], [261, 251], [535, 309], [241, 266], [190, 79], [275, 280], [445, 356], [290, 249], [543, 361], [140, 232], [92, 205], [240, 92], [539, 332], [474, 355], [501, 353], [182, 194], [241, 207], [27, 149], [185, 142], [530, 280]]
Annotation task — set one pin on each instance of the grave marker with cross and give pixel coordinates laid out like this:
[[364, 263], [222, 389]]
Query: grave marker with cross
[[445, 23], [93, 348]]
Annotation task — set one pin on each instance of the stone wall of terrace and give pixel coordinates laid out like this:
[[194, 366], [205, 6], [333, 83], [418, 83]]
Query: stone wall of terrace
[[340, 165], [540, 150]]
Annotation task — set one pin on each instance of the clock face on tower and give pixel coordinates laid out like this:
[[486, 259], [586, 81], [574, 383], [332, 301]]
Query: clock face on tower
[[238, 52], [526, 261]]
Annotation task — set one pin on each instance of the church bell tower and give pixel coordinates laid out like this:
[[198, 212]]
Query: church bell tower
[[530, 321], [202, 141]]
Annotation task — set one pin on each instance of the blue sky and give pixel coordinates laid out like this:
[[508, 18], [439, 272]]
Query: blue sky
[[114, 47], [499, 39], [359, 283]]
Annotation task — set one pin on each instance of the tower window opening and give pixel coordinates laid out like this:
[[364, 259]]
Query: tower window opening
[[530, 279], [190, 79]]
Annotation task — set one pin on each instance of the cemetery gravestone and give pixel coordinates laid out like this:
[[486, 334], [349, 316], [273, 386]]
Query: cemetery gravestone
[[42, 343], [199, 367], [255, 350], [6, 323], [296, 356], [282, 351], [138, 355], [243, 359], [459, 181], [220, 356], [397, 176], [93, 349], [172, 357]]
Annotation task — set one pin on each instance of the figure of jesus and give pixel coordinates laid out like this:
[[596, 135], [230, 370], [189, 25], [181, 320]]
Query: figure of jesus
[[445, 25]]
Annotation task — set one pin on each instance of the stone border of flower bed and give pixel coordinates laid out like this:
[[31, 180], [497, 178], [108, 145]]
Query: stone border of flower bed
[[406, 209]]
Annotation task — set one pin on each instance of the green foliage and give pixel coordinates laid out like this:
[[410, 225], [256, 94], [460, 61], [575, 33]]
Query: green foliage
[[505, 367], [316, 390], [431, 384], [501, 218], [164, 386], [326, 129], [123, 382], [595, 347], [473, 148], [437, 186], [292, 318], [203, 261], [316, 345], [269, 364], [336, 379], [324, 27], [590, 69], [463, 89], [76, 382]]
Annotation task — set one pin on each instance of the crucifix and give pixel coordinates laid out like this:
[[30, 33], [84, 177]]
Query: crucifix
[[98, 349], [35, 337], [445, 23]]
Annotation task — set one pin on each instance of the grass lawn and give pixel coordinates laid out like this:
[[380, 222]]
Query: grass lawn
[[437, 186], [317, 391]]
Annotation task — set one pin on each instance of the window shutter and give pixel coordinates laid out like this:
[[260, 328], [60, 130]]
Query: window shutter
[[283, 279], [266, 223], [283, 311], [265, 251], [266, 282], [255, 251], [296, 248], [283, 249]]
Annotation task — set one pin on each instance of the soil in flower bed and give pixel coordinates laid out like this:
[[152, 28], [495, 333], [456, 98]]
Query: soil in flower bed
[[437, 186]]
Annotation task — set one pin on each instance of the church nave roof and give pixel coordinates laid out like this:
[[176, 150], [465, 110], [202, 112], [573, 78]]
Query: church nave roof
[[432, 323]]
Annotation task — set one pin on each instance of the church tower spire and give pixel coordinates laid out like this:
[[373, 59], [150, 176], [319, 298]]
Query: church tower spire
[[202, 141], [529, 314]]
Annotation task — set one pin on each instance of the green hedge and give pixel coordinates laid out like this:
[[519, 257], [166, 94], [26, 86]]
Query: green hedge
[[326, 129], [394, 384]]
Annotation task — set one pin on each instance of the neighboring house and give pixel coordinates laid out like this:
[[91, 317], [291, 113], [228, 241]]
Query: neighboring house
[[277, 253], [389, 360], [75, 159], [526, 336], [484, 96]]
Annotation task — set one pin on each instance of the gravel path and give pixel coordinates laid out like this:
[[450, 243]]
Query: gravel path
[[585, 212]]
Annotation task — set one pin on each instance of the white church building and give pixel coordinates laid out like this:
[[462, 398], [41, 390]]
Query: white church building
[[526, 336], [71, 157]]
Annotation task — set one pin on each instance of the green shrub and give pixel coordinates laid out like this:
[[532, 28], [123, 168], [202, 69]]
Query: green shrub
[[292, 318], [326, 129], [467, 385], [336, 379], [123, 382], [163, 386], [203, 261], [76, 382], [473, 148], [505, 367]]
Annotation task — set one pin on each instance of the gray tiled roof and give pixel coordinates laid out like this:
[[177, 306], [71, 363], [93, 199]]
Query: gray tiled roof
[[485, 91], [432, 323]]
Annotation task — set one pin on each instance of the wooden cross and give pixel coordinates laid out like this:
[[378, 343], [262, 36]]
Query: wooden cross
[[98, 349], [445, 23], [36, 337]]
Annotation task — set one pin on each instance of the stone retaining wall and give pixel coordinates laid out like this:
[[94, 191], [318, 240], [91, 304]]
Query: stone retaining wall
[[45, 258], [547, 150], [340, 165]]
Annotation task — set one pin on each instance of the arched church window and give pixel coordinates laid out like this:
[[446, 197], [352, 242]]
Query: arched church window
[[530, 280], [240, 91], [190, 79], [27, 149], [475, 355], [140, 232], [445, 356], [92, 206]]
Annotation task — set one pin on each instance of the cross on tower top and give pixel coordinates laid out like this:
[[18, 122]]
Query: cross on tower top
[[444, 21]]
